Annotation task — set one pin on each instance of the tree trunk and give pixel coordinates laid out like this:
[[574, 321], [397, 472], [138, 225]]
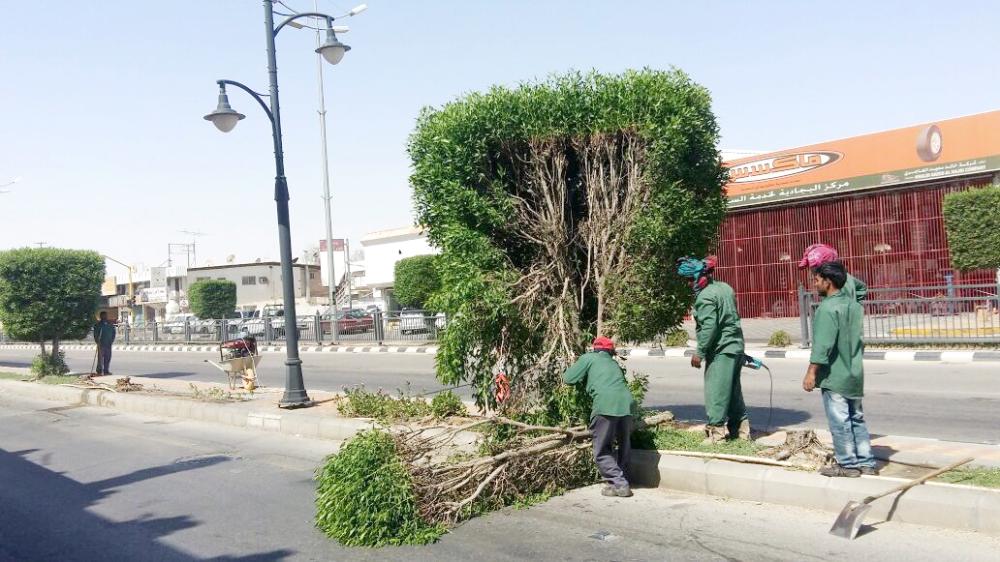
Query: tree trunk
[[42, 345], [600, 306], [55, 346]]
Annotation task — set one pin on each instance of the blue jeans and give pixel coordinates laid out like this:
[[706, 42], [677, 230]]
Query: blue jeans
[[852, 446]]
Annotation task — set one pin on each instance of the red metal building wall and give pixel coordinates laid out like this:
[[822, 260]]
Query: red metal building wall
[[886, 238]]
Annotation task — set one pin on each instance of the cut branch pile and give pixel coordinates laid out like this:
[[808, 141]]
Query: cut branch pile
[[452, 481]]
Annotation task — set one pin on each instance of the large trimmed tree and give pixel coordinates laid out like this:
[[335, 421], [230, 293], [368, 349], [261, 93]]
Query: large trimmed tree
[[560, 208], [49, 294]]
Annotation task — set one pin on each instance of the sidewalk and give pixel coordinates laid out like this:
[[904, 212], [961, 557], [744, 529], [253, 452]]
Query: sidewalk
[[938, 504]]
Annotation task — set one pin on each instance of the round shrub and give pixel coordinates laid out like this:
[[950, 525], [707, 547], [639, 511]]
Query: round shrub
[[447, 404], [678, 337], [780, 338], [365, 496]]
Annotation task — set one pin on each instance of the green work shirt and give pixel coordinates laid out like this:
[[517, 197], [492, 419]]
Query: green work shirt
[[855, 288], [605, 384], [104, 333], [717, 322], [837, 346]]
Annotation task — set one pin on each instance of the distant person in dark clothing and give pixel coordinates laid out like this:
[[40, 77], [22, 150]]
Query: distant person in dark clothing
[[104, 336]]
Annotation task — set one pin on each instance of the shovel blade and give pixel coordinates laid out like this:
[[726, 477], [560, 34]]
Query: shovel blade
[[849, 521]]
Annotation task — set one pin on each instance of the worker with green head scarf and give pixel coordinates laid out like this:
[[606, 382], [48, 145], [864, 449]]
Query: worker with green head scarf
[[720, 346]]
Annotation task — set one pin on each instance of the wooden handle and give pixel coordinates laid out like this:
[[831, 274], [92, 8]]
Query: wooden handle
[[921, 480]]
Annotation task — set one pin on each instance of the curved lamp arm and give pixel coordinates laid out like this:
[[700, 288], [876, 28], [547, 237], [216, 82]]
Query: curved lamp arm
[[329, 20], [253, 94]]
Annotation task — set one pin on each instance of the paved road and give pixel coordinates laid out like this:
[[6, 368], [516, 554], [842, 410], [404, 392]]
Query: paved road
[[81, 484], [957, 402]]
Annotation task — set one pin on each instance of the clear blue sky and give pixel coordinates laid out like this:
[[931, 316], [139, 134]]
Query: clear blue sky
[[102, 102]]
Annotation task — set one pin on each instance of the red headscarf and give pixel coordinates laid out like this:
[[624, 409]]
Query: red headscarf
[[602, 343]]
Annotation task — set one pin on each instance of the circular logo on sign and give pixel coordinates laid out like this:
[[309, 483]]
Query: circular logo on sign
[[930, 143]]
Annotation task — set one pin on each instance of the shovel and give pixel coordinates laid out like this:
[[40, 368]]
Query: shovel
[[849, 521]]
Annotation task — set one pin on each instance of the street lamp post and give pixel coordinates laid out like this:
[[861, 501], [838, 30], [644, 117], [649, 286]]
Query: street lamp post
[[225, 119]]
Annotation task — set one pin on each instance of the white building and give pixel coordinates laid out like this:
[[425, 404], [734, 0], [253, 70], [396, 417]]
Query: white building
[[260, 283], [382, 250]]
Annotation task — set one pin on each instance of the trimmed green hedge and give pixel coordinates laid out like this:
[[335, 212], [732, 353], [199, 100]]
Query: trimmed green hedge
[[972, 221], [49, 293], [416, 280], [212, 298]]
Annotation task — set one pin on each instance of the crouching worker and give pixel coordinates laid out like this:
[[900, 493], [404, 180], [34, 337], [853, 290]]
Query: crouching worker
[[720, 346], [611, 416]]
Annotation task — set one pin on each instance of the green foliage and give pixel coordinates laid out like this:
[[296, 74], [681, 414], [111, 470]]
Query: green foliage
[[365, 496], [674, 439], [416, 281], [446, 404], [678, 337], [49, 293], [465, 185], [212, 298], [49, 364], [973, 476], [780, 338], [359, 403], [972, 221]]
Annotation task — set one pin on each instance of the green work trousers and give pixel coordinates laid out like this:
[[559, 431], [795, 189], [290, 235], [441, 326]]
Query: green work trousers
[[723, 393]]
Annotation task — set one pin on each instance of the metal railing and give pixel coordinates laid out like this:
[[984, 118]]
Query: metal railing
[[944, 314], [376, 328]]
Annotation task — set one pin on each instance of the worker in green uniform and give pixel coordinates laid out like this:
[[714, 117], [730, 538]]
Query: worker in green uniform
[[720, 346], [818, 254], [611, 415], [836, 366]]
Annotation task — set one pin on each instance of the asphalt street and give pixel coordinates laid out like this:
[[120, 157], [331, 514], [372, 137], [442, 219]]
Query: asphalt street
[[82, 484], [955, 402]]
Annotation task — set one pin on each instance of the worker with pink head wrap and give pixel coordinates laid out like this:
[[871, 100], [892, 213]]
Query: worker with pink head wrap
[[818, 254]]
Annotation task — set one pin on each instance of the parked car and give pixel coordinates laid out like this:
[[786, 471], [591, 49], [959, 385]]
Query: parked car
[[255, 327], [175, 325], [348, 322], [414, 321]]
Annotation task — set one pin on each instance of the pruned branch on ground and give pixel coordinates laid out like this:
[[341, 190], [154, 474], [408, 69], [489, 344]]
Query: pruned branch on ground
[[535, 459]]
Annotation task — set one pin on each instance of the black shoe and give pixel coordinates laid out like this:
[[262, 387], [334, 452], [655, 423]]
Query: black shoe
[[837, 471], [868, 470]]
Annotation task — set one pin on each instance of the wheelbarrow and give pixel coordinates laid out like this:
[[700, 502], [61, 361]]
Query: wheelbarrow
[[239, 359]]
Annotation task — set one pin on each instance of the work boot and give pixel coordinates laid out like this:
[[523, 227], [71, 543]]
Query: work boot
[[868, 470], [741, 432], [837, 471], [608, 490], [714, 434], [623, 491]]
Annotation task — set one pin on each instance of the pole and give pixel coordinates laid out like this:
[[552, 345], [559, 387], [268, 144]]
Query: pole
[[350, 281], [295, 392], [330, 277]]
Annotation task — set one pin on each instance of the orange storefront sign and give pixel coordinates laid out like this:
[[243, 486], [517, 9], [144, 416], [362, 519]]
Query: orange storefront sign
[[942, 149]]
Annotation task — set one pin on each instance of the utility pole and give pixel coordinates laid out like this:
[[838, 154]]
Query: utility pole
[[330, 277]]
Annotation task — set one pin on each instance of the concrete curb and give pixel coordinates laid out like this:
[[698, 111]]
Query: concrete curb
[[939, 505], [803, 354], [762, 353], [244, 415], [187, 348]]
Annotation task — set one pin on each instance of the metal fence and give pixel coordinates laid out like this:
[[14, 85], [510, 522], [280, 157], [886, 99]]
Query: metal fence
[[945, 314], [377, 328]]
